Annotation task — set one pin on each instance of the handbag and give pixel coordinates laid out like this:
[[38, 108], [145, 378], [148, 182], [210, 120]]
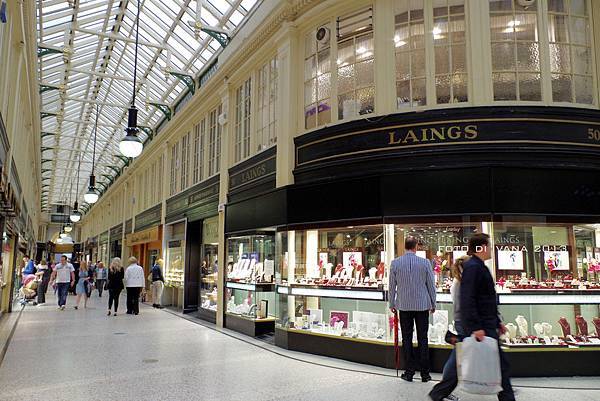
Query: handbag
[[478, 366]]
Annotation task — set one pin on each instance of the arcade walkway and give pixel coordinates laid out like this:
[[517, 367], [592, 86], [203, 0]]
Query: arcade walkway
[[85, 355]]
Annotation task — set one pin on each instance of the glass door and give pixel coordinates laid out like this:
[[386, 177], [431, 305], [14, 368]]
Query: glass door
[[209, 277]]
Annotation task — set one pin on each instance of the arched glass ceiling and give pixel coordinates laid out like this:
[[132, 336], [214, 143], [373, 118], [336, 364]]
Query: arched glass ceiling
[[87, 60]]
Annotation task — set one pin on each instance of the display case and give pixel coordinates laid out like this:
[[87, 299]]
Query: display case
[[350, 319], [250, 288], [209, 282], [174, 265]]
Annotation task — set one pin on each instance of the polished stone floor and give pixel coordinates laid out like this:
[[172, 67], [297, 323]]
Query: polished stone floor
[[85, 355]]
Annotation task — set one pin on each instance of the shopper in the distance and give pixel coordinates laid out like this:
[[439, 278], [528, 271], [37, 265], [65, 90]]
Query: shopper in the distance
[[114, 284], [100, 275], [134, 283], [83, 285], [157, 283], [412, 294], [43, 273], [478, 304], [63, 276], [442, 391]]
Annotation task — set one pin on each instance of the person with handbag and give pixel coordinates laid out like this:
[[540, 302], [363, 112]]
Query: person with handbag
[[83, 286], [114, 284], [442, 391], [101, 273], [158, 282], [479, 305], [43, 273], [135, 284]]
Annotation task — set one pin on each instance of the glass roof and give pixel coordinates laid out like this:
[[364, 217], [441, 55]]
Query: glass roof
[[92, 67]]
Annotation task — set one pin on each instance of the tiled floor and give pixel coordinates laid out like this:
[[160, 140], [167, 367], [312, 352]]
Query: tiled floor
[[85, 355]]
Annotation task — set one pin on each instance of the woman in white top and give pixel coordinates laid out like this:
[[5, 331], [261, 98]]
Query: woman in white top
[[134, 283], [43, 274]]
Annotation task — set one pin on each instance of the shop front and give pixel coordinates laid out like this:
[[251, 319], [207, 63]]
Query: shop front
[[192, 246], [116, 242], [145, 243], [528, 177], [91, 250], [103, 248], [250, 269]]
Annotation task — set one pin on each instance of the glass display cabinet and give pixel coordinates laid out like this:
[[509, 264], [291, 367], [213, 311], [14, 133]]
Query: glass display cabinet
[[209, 282], [250, 289], [325, 305], [174, 265]]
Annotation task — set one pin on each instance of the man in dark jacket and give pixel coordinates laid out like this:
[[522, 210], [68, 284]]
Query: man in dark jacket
[[479, 304]]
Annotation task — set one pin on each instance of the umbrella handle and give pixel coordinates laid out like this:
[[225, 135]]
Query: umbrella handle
[[396, 346]]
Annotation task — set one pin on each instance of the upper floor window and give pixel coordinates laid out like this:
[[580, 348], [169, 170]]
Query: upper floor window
[[355, 64], [523, 70], [198, 160], [266, 108], [175, 165], [214, 141], [433, 30], [185, 159], [516, 66], [317, 77], [570, 51], [242, 121]]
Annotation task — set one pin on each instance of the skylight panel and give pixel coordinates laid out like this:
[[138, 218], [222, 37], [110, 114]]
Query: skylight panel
[[236, 18], [247, 4]]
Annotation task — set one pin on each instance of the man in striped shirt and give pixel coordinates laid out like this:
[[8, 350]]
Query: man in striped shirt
[[412, 293]]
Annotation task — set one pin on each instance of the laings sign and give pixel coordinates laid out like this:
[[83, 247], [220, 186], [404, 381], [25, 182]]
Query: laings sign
[[414, 136]]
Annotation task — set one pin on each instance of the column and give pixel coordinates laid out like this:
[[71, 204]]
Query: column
[[223, 189], [287, 101]]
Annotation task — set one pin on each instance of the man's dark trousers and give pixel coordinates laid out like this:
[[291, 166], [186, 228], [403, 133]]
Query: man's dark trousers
[[415, 359]]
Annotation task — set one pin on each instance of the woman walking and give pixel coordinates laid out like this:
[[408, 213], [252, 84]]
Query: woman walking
[[443, 390], [83, 284], [43, 273], [135, 283], [114, 284]]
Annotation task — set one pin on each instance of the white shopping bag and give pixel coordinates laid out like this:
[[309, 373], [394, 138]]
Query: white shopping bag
[[478, 366]]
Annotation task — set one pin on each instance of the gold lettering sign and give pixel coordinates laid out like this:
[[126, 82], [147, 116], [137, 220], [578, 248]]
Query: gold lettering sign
[[142, 237], [254, 173], [416, 136]]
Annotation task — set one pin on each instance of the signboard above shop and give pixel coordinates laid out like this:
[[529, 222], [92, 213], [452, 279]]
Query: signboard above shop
[[450, 138]]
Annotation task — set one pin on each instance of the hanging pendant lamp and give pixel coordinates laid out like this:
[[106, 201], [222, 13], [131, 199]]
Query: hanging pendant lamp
[[91, 196], [75, 215], [131, 145]]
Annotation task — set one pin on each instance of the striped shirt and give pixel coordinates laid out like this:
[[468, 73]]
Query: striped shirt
[[412, 286]]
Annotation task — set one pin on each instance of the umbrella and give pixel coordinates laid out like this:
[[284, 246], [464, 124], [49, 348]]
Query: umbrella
[[396, 347]]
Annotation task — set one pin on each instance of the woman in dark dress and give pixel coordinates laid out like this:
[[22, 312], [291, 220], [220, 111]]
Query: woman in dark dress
[[114, 284]]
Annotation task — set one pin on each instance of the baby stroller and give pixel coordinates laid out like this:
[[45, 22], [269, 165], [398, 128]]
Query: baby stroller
[[28, 290]]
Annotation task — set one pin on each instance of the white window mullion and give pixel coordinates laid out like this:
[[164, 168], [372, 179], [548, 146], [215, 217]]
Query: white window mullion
[[333, 48], [429, 53], [544, 51], [594, 7]]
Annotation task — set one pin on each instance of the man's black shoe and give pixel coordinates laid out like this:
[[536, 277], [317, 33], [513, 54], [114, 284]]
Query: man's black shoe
[[406, 376], [426, 378]]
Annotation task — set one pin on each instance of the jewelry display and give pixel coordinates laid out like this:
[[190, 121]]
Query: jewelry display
[[522, 325], [582, 326]]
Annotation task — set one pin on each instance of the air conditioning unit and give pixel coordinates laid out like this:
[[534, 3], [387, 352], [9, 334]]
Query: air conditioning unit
[[323, 35], [222, 119], [525, 3]]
